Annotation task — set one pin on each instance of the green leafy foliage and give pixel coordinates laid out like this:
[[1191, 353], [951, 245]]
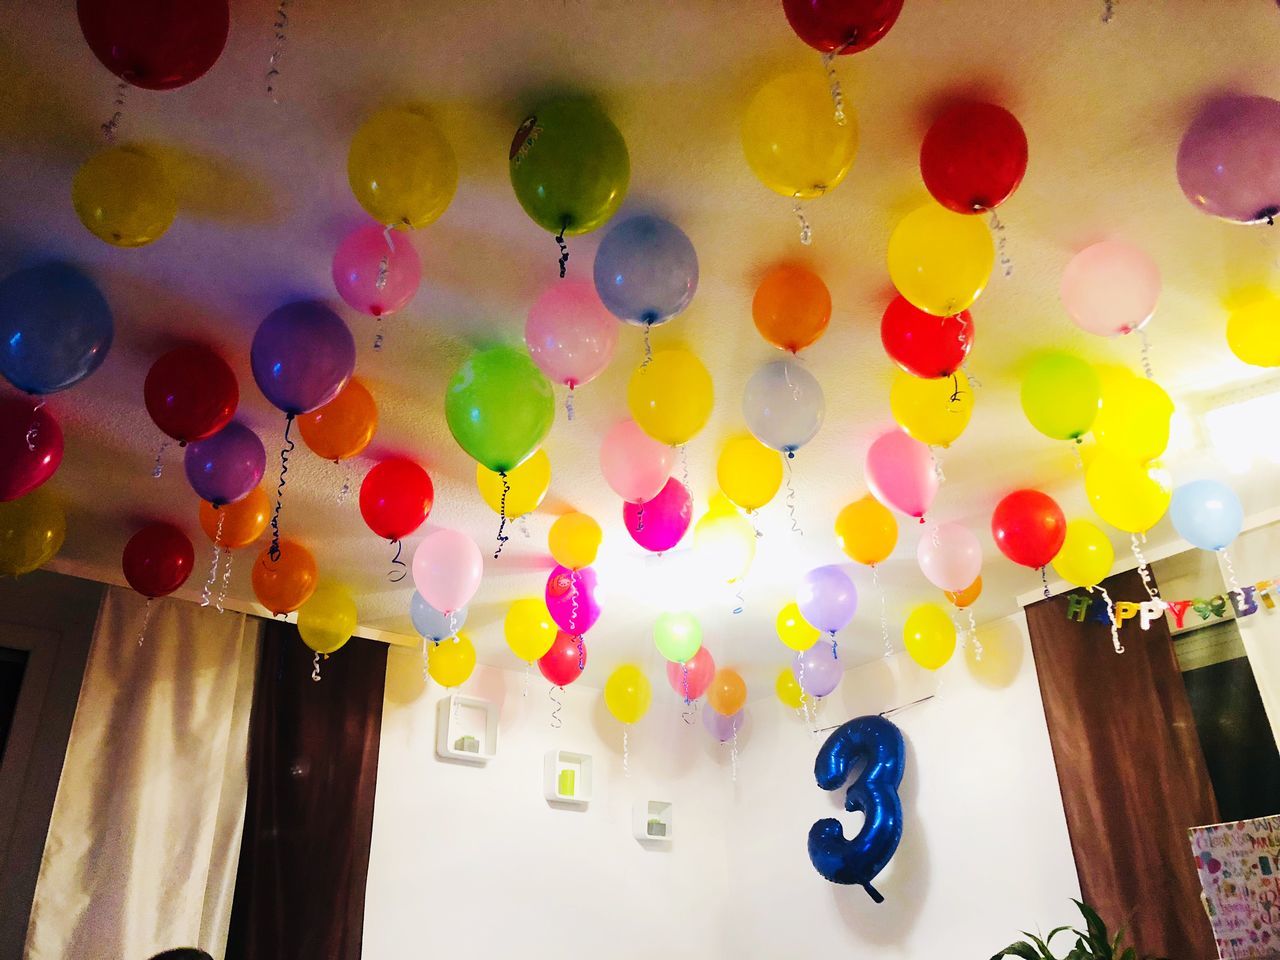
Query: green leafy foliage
[[1094, 942]]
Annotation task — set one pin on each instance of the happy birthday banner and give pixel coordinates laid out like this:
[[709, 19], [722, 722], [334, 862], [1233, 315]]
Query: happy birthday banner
[[1249, 600]]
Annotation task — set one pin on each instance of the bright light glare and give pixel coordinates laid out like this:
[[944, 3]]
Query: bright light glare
[[1242, 433]]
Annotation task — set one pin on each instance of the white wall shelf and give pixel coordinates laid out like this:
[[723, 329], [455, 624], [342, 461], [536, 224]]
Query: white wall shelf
[[652, 821], [466, 729], [566, 778]]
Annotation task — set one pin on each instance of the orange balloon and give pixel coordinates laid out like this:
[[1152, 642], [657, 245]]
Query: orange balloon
[[791, 307], [242, 521], [962, 598], [342, 427], [727, 693], [284, 585]]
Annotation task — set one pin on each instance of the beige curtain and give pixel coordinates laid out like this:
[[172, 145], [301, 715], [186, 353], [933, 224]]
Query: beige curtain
[[145, 836]]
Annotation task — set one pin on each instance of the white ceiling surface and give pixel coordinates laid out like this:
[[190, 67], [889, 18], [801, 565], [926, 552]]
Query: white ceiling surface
[[265, 201]]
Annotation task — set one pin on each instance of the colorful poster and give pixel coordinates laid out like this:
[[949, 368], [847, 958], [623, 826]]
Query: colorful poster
[[1239, 867]]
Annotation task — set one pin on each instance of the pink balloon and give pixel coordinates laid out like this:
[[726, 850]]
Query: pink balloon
[[901, 474], [571, 599], [447, 568], [690, 680], [1111, 288], [658, 524], [950, 556], [1229, 159], [571, 336], [358, 266], [635, 465]]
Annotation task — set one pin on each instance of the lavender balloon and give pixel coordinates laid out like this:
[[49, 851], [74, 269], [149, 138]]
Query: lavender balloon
[[431, 623], [302, 356], [1229, 159], [817, 670], [646, 270], [227, 466], [827, 598], [721, 727]]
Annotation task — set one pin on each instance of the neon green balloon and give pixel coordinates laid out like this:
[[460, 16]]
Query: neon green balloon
[[678, 636], [569, 166], [1060, 396], [499, 407]]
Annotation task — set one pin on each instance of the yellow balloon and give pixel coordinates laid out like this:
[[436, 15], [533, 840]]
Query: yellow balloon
[[748, 472], [401, 168], [793, 629], [940, 261], [328, 618], [726, 544], [32, 529], [867, 531], [451, 661], [788, 689], [574, 540], [930, 636], [792, 140], [1253, 330], [529, 629], [627, 693], [1133, 418], [1086, 555], [526, 485], [124, 197], [670, 397], [1128, 495], [932, 411]]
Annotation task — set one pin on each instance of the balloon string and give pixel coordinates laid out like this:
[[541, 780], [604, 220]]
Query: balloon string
[[344, 494], [274, 550], [733, 755], [377, 333], [833, 83], [1002, 245], [1079, 454], [973, 635], [1111, 618], [1146, 354], [1108, 10], [884, 610], [315, 668], [835, 646], [396, 575], [502, 515], [524, 692], [277, 51], [791, 499], [112, 125], [556, 724], [426, 672], [226, 581], [689, 712], [1232, 581], [648, 346], [568, 403], [157, 471], [384, 265], [146, 619], [1044, 581], [804, 701], [206, 595], [640, 517], [937, 542], [573, 602], [1143, 570], [742, 601], [754, 517], [564, 247], [684, 465], [33, 431], [626, 754], [806, 231], [582, 653], [453, 623]]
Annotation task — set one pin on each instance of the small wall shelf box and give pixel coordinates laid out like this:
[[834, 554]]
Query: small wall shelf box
[[466, 729], [566, 777], [652, 820]]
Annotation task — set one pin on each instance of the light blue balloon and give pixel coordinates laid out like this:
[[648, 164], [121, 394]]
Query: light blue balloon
[[646, 270], [431, 623], [1206, 513], [55, 328], [783, 405]]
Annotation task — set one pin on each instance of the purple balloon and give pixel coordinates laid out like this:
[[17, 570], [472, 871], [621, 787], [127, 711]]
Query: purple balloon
[[818, 670], [660, 523], [721, 727], [827, 598], [562, 586], [1229, 159], [227, 466], [302, 356]]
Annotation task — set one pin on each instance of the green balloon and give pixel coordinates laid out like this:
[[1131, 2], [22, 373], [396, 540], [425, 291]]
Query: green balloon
[[678, 636], [1060, 396], [569, 166], [499, 407]]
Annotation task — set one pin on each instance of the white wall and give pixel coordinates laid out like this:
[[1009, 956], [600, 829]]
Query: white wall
[[1256, 556]]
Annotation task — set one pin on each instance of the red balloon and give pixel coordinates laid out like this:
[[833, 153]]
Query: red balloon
[[973, 157], [560, 664], [155, 44], [30, 446], [922, 344], [690, 680], [842, 26], [158, 559], [395, 498], [191, 393], [1029, 527]]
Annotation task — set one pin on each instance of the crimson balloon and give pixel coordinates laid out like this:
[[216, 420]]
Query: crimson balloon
[[922, 344], [841, 26], [155, 44], [1028, 527], [30, 446], [395, 498], [158, 559], [565, 661], [973, 157], [191, 393]]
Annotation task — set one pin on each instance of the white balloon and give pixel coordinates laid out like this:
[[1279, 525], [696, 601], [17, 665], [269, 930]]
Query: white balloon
[[783, 405]]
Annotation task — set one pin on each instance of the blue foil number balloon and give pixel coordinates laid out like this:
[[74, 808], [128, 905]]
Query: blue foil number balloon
[[646, 271], [876, 746]]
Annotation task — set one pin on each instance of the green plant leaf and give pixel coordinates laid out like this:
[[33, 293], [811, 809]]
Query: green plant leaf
[[1129, 954], [1055, 931], [1022, 949], [1098, 940]]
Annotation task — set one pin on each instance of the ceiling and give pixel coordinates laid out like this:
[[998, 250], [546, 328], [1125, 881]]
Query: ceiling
[[264, 201]]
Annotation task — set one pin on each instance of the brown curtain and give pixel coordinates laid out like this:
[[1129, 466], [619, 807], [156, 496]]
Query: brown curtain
[[313, 760], [1130, 768]]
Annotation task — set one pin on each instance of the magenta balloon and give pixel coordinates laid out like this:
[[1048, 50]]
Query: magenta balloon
[[447, 568], [1110, 288], [658, 524], [571, 599], [634, 464], [827, 598], [361, 277], [690, 680], [302, 356], [1229, 159], [950, 556], [226, 467], [901, 473], [817, 670], [721, 727], [571, 336]]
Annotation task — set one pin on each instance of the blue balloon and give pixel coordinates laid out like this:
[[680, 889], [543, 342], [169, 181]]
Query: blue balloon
[[1206, 513], [302, 356], [876, 745], [55, 328], [646, 270], [431, 623]]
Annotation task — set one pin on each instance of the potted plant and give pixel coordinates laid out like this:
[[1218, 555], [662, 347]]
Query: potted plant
[[1092, 943]]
